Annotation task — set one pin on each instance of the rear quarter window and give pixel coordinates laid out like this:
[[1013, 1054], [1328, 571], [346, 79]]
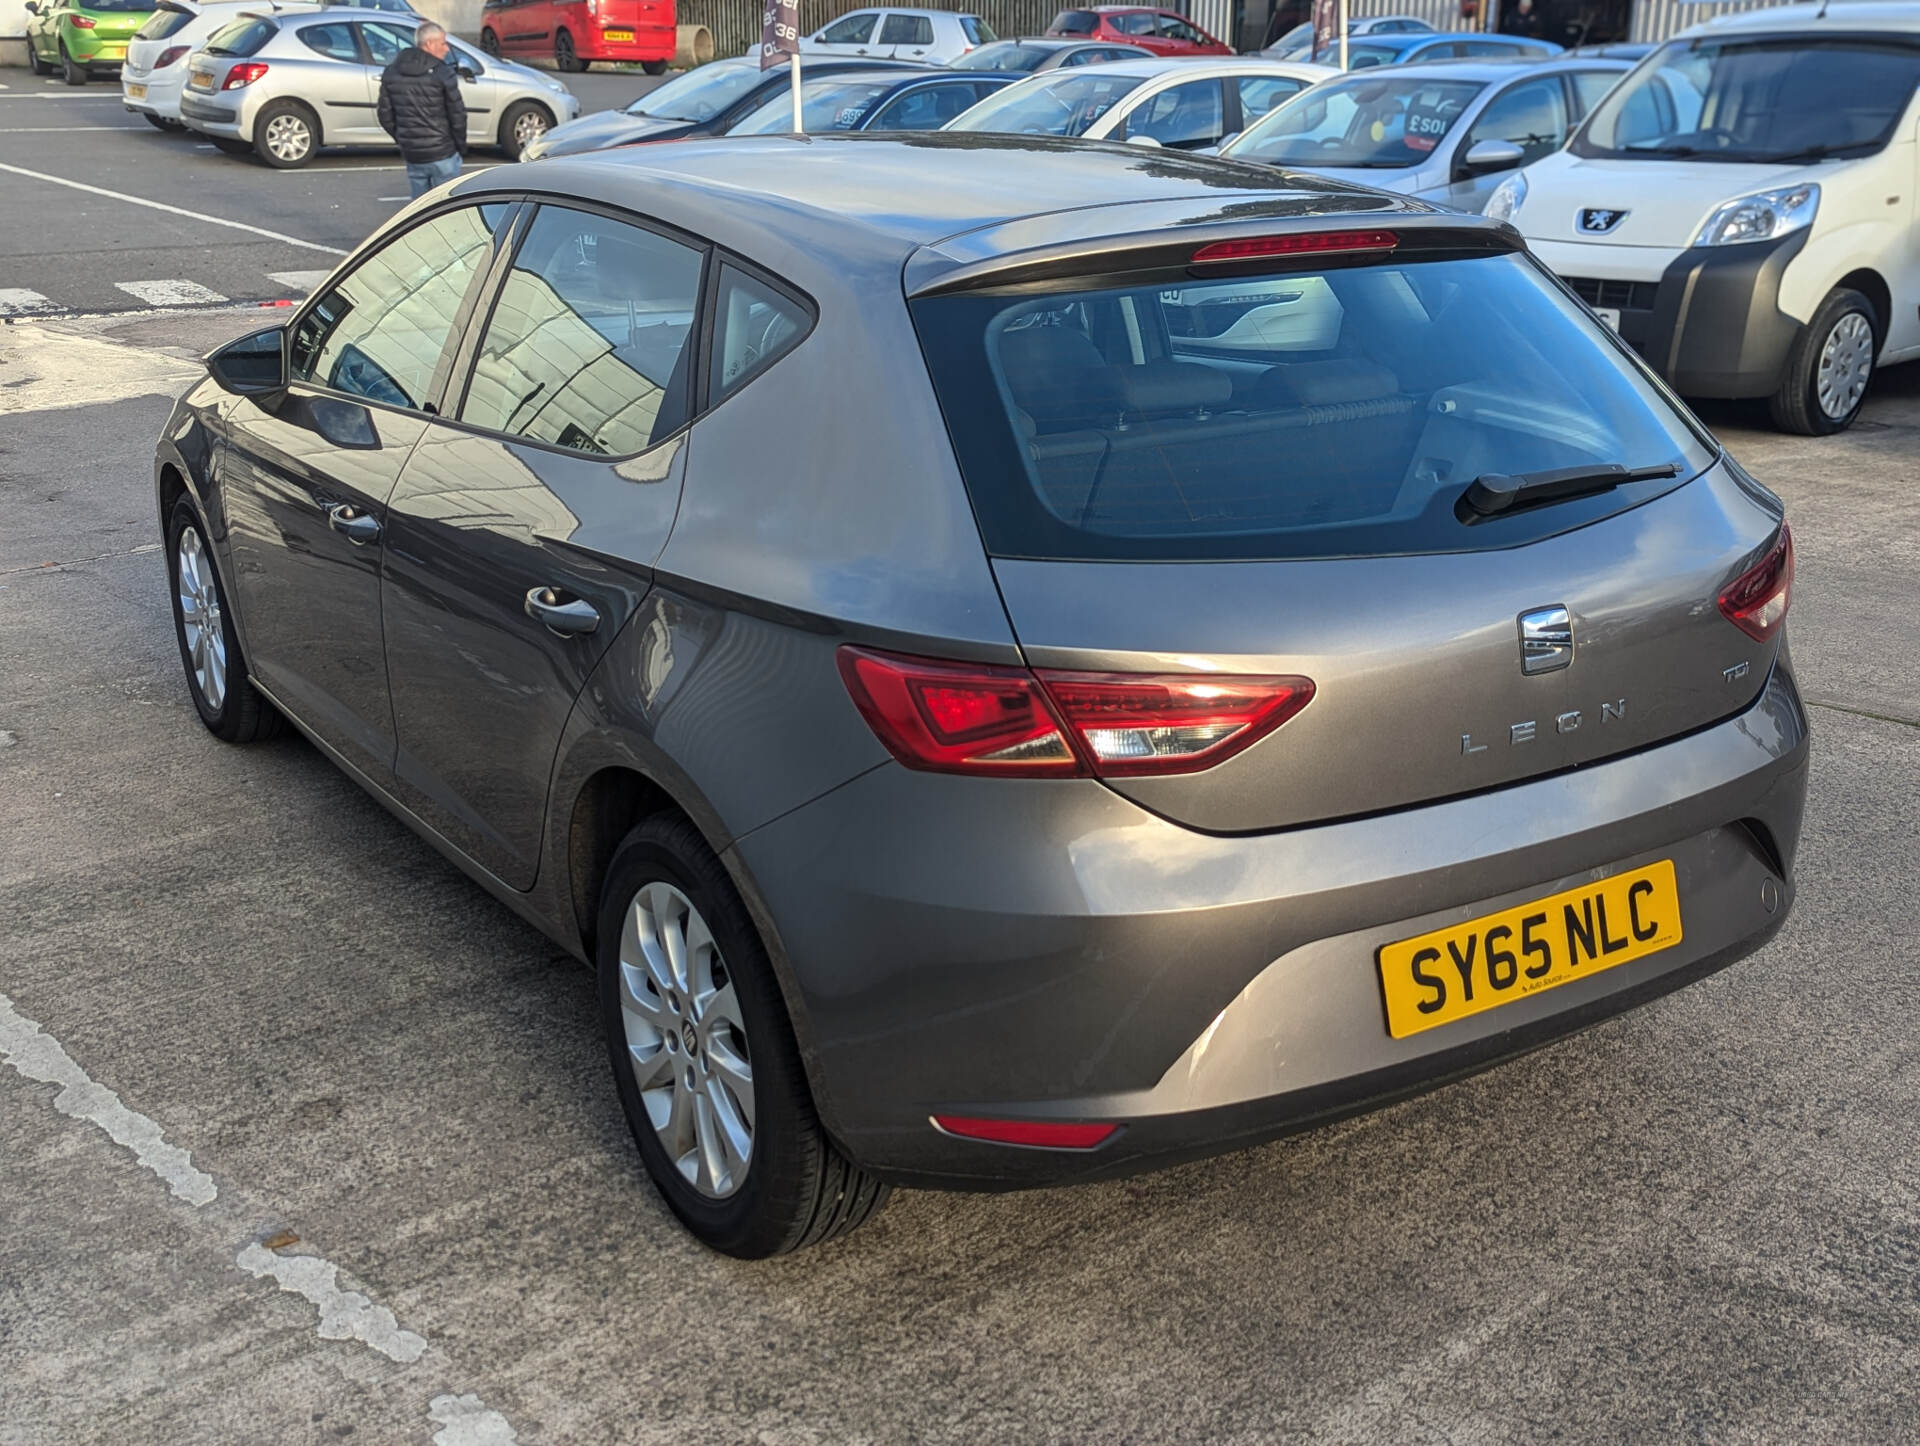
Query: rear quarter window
[[1308, 414]]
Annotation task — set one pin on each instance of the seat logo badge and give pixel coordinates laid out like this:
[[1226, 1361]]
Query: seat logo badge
[[1597, 220], [1546, 640]]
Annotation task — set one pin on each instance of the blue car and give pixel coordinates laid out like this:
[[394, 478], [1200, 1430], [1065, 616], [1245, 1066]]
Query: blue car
[[1456, 45], [888, 100]]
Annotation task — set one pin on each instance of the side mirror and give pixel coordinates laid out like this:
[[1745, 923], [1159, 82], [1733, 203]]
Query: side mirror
[[1483, 158], [1221, 144], [468, 73], [254, 364], [1148, 141]]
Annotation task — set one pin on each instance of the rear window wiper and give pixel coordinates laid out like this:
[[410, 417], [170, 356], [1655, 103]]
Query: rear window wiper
[[1494, 493]]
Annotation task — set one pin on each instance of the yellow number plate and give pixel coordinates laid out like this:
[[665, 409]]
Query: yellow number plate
[[1486, 962], [617, 34], [136, 92]]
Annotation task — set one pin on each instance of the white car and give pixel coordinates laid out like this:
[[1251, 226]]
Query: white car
[[1742, 207], [155, 70], [938, 37], [1186, 104]]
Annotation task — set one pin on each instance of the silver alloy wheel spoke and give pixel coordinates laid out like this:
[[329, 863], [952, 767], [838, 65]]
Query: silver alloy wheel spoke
[[1846, 365], [287, 137], [205, 639], [686, 1040]]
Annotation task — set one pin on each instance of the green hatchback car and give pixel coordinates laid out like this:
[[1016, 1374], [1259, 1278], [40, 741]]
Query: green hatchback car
[[77, 37]]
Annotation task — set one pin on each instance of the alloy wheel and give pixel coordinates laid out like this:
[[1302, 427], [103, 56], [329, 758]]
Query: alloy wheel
[[1846, 365], [686, 1040], [288, 137], [200, 618], [528, 127], [563, 51]]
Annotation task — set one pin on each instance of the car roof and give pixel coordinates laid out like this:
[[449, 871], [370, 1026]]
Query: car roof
[[1151, 67], [1853, 15], [1495, 67], [840, 201]]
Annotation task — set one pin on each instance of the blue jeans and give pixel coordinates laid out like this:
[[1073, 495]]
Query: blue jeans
[[423, 176]]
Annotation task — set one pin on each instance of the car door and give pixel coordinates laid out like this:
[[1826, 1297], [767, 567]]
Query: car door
[[579, 385], [849, 35], [1531, 114], [304, 474], [929, 106], [336, 80], [905, 35], [484, 92], [1182, 117]]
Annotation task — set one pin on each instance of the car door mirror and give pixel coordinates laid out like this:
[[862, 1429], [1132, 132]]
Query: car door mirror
[[1148, 141], [1483, 158], [255, 363], [468, 73]]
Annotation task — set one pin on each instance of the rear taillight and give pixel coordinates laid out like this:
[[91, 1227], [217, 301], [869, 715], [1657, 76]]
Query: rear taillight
[[243, 74], [1756, 601], [172, 55], [974, 718], [80, 22], [1299, 243], [1045, 1134]]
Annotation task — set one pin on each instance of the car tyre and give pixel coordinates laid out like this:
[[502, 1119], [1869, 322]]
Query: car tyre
[[654, 67], [35, 63], [71, 70], [228, 146], [525, 121], [217, 677], [565, 57], [690, 1004], [286, 135], [490, 43], [1829, 367]]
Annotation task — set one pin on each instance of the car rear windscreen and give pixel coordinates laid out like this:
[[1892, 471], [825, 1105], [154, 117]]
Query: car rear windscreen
[[163, 23], [243, 37], [1315, 413], [1074, 22]]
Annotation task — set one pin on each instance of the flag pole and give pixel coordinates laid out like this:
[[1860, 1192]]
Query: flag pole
[[1343, 34], [798, 127]]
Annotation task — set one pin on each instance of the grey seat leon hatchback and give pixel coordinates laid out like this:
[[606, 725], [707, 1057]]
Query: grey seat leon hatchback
[[1017, 661]]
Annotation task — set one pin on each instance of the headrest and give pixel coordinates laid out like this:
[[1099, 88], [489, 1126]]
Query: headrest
[[1327, 383], [1163, 387]]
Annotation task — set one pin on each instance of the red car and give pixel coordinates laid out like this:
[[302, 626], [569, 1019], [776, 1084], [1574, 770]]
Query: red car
[[1162, 31], [578, 32]]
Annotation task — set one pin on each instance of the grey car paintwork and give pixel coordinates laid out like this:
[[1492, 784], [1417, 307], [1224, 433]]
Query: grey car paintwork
[[948, 943]]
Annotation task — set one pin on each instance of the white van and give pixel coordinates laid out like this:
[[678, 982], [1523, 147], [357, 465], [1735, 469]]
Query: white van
[[1742, 207]]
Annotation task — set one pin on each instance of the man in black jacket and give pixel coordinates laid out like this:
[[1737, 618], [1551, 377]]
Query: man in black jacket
[[420, 107]]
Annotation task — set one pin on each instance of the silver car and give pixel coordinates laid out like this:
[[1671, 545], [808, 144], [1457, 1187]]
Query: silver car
[[1257, 648], [1444, 131], [281, 86]]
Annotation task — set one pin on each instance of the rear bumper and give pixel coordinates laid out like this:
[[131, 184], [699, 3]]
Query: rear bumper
[[163, 91], [1710, 324], [211, 117], [1051, 951], [89, 51]]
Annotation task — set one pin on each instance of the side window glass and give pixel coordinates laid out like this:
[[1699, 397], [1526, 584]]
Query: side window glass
[[925, 109], [753, 327], [385, 40], [907, 30], [589, 343], [1261, 93], [1182, 115], [333, 41], [849, 30], [1591, 86], [1532, 115], [380, 333]]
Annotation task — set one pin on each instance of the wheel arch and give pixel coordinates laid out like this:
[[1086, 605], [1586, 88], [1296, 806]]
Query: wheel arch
[[1872, 285], [293, 102]]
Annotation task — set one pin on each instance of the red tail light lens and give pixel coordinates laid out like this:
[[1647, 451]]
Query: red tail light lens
[[1756, 601], [1300, 243], [1045, 1134], [243, 74], [1128, 725], [172, 55], [80, 22], [973, 718], [958, 718]]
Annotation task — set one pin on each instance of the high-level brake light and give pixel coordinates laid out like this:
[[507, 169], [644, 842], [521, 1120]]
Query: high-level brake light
[[976, 718], [1297, 243], [1756, 602]]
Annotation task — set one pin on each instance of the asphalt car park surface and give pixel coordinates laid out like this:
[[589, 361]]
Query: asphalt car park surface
[[303, 1138]]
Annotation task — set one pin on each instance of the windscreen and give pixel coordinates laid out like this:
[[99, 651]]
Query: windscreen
[[243, 37], [1375, 122], [1074, 22], [1049, 104], [163, 23], [700, 94], [825, 105], [1008, 55], [1773, 99], [1318, 413]]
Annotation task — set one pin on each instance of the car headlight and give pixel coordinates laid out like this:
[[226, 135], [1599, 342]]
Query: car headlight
[[1506, 197], [1761, 216]]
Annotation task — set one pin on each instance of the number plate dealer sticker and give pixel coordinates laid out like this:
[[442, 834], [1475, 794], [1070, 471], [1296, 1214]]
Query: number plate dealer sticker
[[136, 92], [617, 34], [1490, 961]]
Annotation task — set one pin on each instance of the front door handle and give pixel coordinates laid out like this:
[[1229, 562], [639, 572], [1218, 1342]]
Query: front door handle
[[575, 616], [355, 525]]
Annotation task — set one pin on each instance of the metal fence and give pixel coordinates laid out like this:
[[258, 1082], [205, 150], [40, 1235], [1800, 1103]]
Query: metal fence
[[736, 23]]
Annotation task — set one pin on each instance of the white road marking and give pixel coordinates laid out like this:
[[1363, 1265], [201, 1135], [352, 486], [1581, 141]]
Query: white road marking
[[18, 301], [38, 1055], [345, 1315], [300, 281], [58, 130], [57, 95], [466, 1421], [170, 293], [171, 210]]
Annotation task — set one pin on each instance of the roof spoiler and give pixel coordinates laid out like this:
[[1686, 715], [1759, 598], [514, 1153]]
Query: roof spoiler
[[1203, 251]]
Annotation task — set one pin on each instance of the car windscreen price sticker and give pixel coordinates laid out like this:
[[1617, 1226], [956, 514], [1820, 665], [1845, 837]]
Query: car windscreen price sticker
[[1428, 122]]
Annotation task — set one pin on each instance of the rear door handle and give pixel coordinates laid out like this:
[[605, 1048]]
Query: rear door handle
[[355, 525], [566, 617]]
